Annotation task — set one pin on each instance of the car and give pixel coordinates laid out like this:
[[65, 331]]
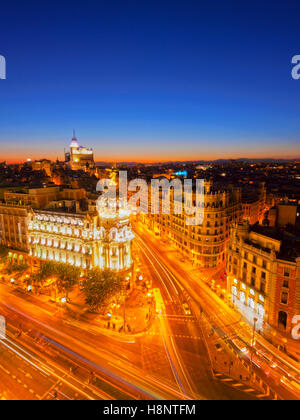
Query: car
[[186, 309]]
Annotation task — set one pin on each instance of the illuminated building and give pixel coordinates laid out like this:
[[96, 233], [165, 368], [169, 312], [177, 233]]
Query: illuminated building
[[91, 240], [42, 165], [13, 229], [99, 238], [38, 198], [204, 245], [80, 157], [263, 269]]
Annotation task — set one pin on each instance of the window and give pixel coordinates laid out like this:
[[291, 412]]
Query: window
[[251, 303], [253, 282], [286, 273], [263, 275], [254, 270], [286, 284], [246, 255], [254, 259], [245, 265], [284, 298], [243, 297], [262, 287], [264, 264]]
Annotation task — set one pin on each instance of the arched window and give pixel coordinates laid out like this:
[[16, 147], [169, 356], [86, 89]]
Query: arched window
[[282, 319]]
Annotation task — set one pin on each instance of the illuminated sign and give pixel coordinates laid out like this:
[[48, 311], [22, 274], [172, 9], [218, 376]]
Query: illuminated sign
[[181, 173]]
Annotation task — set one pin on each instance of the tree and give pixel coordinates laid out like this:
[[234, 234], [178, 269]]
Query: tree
[[17, 268], [47, 269], [67, 277], [101, 287]]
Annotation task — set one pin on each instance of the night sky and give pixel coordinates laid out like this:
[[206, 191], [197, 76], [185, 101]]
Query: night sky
[[150, 80]]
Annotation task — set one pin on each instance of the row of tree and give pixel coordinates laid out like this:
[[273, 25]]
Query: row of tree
[[99, 286]]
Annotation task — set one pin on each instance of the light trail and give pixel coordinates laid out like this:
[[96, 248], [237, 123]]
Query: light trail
[[216, 302], [172, 345]]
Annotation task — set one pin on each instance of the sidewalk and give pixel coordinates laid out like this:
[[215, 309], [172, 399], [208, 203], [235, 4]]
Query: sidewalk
[[138, 312]]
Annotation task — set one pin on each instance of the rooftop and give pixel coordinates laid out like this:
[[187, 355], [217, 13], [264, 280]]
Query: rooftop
[[290, 241]]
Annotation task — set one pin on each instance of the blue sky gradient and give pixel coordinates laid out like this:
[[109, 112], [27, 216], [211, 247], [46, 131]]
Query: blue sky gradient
[[150, 81]]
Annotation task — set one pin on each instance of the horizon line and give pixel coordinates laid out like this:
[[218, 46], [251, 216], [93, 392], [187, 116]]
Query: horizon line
[[142, 161]]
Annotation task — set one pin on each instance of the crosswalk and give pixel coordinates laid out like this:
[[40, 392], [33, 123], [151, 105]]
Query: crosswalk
[[244, 387]]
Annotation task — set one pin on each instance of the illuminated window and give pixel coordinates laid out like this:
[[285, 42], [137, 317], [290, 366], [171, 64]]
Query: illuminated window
[[251, 303], [260, 309], [243, 297]]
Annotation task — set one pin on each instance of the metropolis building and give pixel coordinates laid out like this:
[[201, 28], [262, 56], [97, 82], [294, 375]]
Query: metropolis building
[[86, 241], [100, 239]]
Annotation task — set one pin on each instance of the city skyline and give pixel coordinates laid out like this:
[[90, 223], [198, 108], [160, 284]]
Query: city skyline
[[166, 157], [149, 203]]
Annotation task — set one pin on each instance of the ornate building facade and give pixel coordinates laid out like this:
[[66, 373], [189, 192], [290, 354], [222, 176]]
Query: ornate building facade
[[100, 240], [263, 269], [204, 245]]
